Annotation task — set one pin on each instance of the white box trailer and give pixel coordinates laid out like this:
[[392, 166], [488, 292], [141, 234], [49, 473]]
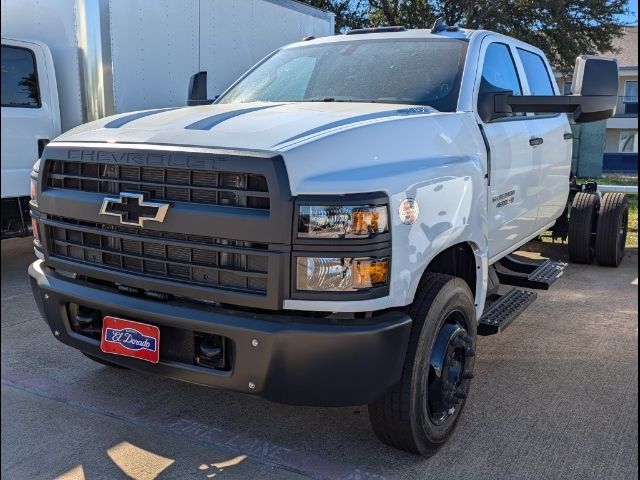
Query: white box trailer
[[66, 62]]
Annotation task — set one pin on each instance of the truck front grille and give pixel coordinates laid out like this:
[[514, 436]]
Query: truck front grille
[[226, 237], [242, 190], [196, 259]]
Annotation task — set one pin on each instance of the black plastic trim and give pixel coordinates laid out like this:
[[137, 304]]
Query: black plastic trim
[[251, 225], [272, 227], [230, 222], [297, 360], [278, 258], [361, 31]]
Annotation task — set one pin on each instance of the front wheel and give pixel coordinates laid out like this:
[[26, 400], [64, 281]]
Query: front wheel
[[421, 412]]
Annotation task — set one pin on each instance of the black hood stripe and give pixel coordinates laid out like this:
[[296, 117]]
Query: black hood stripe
[[209, 122], [361, 118], [118, 122]]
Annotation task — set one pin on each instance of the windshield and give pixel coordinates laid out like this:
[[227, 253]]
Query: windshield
[[409, 71]]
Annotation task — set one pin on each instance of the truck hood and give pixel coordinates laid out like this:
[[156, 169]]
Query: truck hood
[[256, 126]]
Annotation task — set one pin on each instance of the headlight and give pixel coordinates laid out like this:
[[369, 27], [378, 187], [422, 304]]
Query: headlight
[[340, 221], [327, 274]]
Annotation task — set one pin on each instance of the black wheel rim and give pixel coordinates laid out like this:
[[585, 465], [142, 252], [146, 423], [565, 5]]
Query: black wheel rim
[[449, 369]]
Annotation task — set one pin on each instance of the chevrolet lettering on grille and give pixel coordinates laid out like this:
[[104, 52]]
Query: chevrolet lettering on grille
[[132, 209]]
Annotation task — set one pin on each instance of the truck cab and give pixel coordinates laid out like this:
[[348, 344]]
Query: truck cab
[[333, 230], [30, 119]]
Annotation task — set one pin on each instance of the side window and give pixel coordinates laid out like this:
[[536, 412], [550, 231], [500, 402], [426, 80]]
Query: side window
[[630, 99], [536, 71], [19, 79], [499, 68]]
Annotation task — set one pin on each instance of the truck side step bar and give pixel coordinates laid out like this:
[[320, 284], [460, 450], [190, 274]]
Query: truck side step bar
[[504, 309], [521, 272]]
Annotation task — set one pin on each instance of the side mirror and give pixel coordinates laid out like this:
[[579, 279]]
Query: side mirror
[[595, 80], [197, 94], [594, 96], [486, 101]]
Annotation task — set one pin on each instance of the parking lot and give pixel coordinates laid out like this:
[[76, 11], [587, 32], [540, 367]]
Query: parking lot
[[555, 396]]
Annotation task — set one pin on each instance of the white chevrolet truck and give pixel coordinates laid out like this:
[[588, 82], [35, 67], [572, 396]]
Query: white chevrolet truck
[[335, 229]]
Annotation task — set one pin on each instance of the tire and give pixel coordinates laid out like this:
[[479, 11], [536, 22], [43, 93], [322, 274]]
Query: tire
[[404, 417], [104, 362], [612, 229], [582, 227]]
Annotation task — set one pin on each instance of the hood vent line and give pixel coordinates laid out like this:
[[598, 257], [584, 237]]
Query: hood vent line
[[209, 122], [119, 122]]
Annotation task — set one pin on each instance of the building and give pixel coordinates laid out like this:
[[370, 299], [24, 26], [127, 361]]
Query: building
[[622, 129], [621, 135]]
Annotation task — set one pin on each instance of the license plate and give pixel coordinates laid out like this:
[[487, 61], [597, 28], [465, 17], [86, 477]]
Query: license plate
[[131, 339]]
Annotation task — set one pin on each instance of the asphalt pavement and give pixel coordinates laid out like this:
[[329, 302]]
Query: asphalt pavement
[[555, 396]]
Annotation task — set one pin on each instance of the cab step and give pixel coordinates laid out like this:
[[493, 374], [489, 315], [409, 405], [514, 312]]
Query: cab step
[[521, 272], [504, 309]]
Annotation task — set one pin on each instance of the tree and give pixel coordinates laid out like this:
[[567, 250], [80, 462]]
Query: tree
[[30, 86], [563, 29], [349, 13], [410, 13]]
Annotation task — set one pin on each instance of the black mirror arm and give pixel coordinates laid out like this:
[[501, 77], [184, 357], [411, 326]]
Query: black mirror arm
[[506, 103], [580, 105]]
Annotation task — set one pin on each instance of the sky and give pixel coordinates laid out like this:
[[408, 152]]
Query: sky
[[632, 19]]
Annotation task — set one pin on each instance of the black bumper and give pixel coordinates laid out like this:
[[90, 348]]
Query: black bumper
[[296, 360]]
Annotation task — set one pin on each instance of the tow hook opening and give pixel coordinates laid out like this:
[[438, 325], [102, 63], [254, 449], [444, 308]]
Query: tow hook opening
[[212, 351], [85, 321]]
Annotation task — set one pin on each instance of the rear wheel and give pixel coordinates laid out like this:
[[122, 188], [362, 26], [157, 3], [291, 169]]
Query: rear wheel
[[612, 229], [421, 412], [582, 227]]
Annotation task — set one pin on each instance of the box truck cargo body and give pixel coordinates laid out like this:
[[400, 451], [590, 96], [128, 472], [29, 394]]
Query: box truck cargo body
[[67, 62]]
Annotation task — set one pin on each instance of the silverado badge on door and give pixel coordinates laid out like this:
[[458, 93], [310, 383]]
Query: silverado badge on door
[[132, 209]]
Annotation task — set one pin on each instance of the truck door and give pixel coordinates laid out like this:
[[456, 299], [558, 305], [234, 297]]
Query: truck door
[[512, 175], [552, 134], [30, 113]]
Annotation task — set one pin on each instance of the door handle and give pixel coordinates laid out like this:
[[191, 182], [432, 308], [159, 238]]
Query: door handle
[[536, 141], [568, 136]]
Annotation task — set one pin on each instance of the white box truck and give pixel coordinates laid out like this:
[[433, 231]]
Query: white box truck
[[67, 62]]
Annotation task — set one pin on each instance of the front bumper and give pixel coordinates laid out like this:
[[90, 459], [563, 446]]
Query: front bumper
[[297, 360]]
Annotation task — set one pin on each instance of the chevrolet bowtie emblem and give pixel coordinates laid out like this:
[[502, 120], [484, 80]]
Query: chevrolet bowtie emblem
[[132, 209]]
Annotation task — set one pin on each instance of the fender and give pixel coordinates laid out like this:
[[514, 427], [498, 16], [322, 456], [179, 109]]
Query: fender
[[444, 173]]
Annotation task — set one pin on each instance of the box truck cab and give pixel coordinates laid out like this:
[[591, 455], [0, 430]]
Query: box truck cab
[[30, 119]]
